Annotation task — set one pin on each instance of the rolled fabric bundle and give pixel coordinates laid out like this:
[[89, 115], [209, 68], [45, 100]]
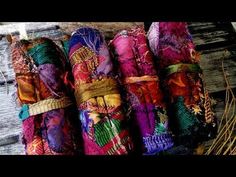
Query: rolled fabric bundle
[[189, 102], [97, 95], [142, 89], [47, 111]]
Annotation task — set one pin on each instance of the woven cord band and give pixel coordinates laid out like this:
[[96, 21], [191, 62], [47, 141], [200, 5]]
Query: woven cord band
[[43, 106]]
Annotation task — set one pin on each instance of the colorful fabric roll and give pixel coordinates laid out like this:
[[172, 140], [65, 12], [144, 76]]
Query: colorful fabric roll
[[142, 90], [104, 127], [47, 112], [189, 104]]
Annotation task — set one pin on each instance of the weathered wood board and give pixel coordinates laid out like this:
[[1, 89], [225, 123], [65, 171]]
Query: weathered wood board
[[212, 67], [10, 125], [216, 41]]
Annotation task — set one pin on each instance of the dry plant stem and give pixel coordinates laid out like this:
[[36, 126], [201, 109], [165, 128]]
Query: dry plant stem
[[226, 108], [232, 101], [220, 136], [230, 147], [233, 152], [224, 140]]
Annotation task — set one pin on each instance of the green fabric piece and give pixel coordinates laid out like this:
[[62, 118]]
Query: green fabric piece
[[186, 119], [45, 53], [160, 129], [182, 67], [104, 133], [65, 45]]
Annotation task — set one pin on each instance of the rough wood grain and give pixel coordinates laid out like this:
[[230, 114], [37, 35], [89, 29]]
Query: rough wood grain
[[211, 61], [215, 40], [10, 125]]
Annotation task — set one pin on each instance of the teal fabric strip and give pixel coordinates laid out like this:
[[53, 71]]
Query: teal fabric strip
[[24, 112]]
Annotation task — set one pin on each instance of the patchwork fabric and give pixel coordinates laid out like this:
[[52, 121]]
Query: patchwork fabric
[[142, 90], [47, 112], [97, 95], [189, 103]]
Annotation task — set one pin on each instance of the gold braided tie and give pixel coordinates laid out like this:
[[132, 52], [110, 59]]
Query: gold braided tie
[[103, 87], [146, 78], [43, 106], [48, 105]]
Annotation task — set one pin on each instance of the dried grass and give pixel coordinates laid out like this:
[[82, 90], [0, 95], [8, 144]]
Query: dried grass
[[225, 142]]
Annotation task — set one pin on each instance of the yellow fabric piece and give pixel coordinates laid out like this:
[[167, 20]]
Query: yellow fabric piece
[[81, 55], [26, 89], [48, 105], [98, 88], [112, 101], [101, 102]]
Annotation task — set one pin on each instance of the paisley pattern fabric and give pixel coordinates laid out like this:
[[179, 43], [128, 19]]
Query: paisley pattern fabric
[[189, 103], [97, 94]]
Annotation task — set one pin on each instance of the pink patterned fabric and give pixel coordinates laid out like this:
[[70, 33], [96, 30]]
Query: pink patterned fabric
[[142, 89]]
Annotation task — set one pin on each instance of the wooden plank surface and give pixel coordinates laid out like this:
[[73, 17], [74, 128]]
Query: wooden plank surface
[[10, 125], [216, 41], [211, 63]]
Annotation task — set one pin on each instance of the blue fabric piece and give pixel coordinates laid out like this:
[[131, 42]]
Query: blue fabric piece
[[92, 40], [24, 112]]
